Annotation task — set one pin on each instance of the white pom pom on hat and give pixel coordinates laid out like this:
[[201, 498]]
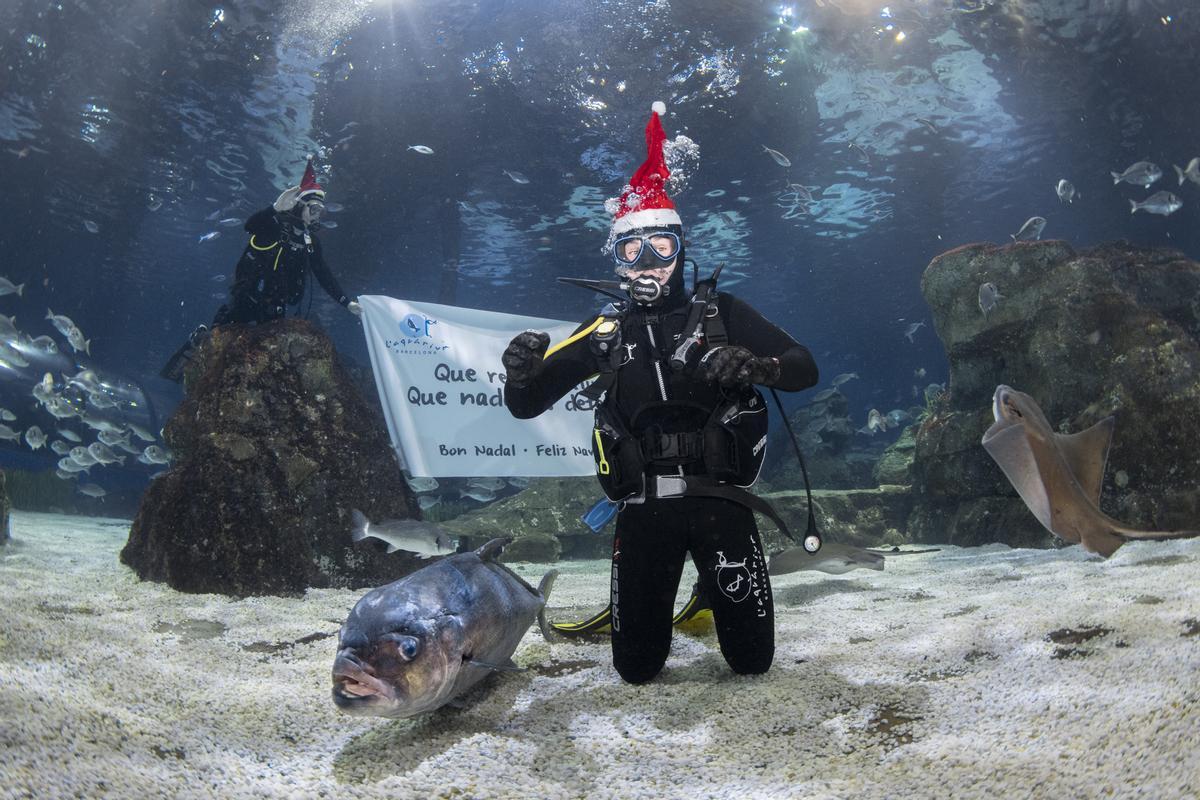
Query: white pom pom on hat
[[659, 107]]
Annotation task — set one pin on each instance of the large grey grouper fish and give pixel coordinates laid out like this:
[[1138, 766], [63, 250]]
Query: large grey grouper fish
[[416, 644]]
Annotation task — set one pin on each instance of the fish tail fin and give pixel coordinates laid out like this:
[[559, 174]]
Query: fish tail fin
[[1178, 172], [360, 526], [49, 314], [1132, 534], [87, 346], [1012, 236], [1133, 206], [21, 286], [1116, 177], [547, 583]]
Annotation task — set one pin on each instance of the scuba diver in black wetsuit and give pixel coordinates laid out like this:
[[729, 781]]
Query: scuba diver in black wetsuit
[[272, 272], [679, 432]]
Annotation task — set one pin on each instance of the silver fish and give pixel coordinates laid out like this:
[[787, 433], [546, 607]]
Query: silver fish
[[91, 490], [60, 447], [989, 297], [1191, 172], [897, 417], [1065, 191], [833, 558], [416, 644], [419, 485], [412, 536], [66, 476], [44, 345], [61, 322], [103, 454], [141, 433], [78, 343], [516, 177], [428, 501], [928, 123], [66, 464], [422, 149], [823, 395], [8, 287], [208, 237], [35, 438], [9, 434], [69, 435], [876, 421], [156, 455], [845, 376], [1162, 203], [476, 493], [913, 328], [518, 483], [82, 456], [112, 439], [490, 484], [1032, 229], [861, 152], [1143, 173], [7, 415], [777, 156]]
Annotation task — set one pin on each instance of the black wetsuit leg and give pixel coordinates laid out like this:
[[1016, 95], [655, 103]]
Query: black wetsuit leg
[[648, 551], [728, 555]]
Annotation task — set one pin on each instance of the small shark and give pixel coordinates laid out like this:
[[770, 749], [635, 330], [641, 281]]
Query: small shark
[[833, 558], [1059, 476]]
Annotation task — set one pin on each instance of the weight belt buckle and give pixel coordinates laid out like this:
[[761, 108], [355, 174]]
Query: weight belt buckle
[[666, 486]]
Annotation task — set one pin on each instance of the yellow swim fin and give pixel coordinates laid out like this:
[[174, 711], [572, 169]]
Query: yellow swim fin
[[695, 617]]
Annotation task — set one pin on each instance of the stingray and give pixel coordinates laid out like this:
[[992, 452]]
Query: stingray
[[1059, 476]]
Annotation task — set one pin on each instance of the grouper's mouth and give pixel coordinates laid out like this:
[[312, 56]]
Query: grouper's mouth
[[354, 682]]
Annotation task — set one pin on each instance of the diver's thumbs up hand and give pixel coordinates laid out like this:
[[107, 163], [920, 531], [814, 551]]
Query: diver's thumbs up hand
[[522, 358]]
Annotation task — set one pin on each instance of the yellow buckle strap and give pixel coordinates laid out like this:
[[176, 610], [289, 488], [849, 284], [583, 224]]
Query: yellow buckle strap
[[602, 467]]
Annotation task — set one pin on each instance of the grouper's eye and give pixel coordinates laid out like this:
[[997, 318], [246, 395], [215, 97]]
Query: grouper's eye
[[407, 647]]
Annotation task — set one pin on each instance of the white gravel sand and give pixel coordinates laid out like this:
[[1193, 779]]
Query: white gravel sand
[[935, 678]]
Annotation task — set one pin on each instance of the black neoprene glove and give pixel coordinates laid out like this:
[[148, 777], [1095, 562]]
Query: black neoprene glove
[[522, 358], [736, 366]]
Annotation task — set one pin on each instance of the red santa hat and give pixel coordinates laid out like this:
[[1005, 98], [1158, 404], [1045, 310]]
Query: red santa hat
[[645, 203], [309, 188]]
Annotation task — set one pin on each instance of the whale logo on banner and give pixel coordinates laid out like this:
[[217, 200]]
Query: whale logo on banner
[[441, 384]]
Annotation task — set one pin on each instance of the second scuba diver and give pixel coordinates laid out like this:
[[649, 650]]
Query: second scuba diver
[[680, 430], [273, 270]]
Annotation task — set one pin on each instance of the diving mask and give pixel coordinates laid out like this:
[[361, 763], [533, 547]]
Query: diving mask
[[646, 251], [311, 212]]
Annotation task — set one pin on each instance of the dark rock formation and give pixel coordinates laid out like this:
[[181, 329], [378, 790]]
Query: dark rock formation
[[4, 509], [273, 447], [895, 465], [544, 519], [1113, 330], [827, 438]]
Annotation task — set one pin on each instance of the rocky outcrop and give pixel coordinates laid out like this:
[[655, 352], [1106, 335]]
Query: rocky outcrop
[[273, 446], [863, 517], [894, 467], [827, 438], [543, 519], [1112, 330]]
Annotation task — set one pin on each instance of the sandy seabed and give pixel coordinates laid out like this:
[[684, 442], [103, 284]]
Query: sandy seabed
[[966, 673]]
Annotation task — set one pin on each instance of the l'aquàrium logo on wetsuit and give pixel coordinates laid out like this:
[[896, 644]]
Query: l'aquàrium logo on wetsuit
[[416, 337]]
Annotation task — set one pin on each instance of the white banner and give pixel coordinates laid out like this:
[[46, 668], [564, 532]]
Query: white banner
[[441, 383]]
